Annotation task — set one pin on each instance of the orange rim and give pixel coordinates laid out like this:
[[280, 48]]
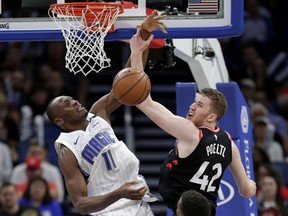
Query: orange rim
[[78, 7]]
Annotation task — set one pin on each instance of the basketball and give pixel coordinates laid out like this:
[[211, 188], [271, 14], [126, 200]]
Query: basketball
[[131, 86]]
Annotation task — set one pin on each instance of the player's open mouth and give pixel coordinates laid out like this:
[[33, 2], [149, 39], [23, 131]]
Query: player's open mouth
[[189, 115]]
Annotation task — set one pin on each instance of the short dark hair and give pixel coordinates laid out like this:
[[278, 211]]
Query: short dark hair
[[218, 99], [194, 203], [47, 196], [7, 184], [50, 112]]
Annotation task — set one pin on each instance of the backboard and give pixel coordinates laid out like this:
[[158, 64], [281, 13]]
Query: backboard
[[28, 20]]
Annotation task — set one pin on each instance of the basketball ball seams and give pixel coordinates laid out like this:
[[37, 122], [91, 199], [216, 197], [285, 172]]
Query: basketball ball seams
[[145, 92], [126, 75], [123, 77], [133, 86]]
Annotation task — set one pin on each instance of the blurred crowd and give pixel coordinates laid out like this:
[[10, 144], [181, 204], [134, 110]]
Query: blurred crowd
[[31, 73], [258, 62]]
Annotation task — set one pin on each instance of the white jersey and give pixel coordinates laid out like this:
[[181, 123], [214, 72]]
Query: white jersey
[[106, 163]]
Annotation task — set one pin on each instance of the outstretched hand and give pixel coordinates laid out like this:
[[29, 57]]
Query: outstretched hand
[[153, 22], [128, 191], [137, 43]]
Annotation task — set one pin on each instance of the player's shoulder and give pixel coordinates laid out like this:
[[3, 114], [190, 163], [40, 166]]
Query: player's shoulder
[[96, 120], [70, 135], [68, 139], [90, 116], [228, 134]]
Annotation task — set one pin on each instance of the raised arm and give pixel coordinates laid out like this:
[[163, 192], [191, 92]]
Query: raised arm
[[105, 106], [181, 128], [246, 186], [138, 46], [150, 23], [77, 189], [108, 103]]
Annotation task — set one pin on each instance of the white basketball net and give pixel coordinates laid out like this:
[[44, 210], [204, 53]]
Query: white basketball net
[[85, 42]]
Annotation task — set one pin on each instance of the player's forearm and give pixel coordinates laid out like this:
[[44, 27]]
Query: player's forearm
[[145, 35], [136, 60], [144, 56], [159, 114], [112, 103], [87, 205], [105, 106], [144, 59], [246, 187]]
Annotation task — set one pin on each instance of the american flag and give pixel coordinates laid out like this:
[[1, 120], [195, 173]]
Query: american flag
[[202, 6]]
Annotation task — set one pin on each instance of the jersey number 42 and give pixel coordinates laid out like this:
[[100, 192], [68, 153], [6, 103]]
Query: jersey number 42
[[203, 180]]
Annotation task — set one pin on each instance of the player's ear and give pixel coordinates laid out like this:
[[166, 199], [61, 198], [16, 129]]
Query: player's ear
[[59, 121], [212, 117]]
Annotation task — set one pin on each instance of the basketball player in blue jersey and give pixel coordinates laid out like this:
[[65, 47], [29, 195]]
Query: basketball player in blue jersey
[[100, 172], [202, 152]]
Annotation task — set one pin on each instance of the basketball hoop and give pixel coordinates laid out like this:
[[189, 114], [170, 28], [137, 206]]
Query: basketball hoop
[[84, 26]]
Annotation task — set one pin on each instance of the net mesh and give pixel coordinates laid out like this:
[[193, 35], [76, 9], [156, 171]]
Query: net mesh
[[84, 28]]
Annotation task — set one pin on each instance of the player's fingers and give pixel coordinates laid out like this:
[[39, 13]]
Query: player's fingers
[[154, 13], [143, 191], [162, 24], [139, 190], [139, 26], [163, 17], [163, 29], [132, 183], [160, 17]]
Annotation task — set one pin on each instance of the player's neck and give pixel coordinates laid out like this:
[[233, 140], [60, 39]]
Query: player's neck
[[77, 126], [212, 126]]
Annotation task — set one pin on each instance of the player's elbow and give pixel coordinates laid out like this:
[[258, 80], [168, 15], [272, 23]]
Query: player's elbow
[[80, 208], [247, 192], [247, 187]]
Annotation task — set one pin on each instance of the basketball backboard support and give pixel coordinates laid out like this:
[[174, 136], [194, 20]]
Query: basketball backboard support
[[192, 19]]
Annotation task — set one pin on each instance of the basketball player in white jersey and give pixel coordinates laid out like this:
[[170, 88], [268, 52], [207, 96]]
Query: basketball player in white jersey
[[100, 172]]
